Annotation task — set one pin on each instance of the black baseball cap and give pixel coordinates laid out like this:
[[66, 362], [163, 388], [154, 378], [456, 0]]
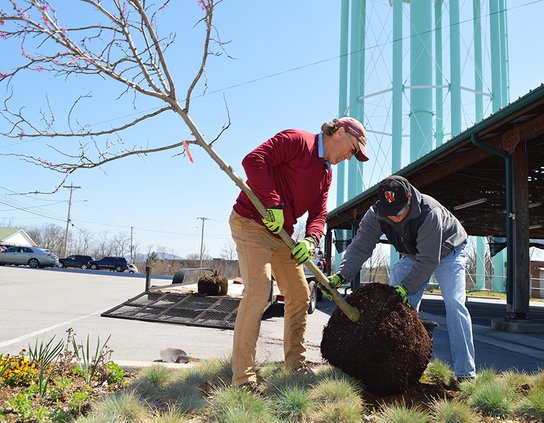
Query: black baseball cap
[[393, 195]]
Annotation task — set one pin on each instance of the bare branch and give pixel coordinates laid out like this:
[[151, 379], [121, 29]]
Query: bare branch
[[116, 40]]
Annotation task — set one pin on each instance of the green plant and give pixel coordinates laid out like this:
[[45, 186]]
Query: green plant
[[335, 390], [156, 374], [292, 403], [400, 413], [79, 400], [338, 411], [59, 387], [439, 373], [532, 406], [229, 404], [23, 406], [43, 355], [444, 411], [115, 373], [90, 364], [492, 399], [336, 400], [120, 407]]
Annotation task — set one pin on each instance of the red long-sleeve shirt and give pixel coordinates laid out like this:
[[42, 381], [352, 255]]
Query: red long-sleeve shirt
[[287, 169]]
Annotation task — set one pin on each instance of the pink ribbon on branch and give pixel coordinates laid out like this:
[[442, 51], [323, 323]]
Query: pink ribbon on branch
[[186, 146]]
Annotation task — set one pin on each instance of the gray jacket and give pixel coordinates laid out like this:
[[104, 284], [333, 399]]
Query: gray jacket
[[428, 234]]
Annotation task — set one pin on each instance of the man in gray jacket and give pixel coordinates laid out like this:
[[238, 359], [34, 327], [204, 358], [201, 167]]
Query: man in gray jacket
[[429, 239]]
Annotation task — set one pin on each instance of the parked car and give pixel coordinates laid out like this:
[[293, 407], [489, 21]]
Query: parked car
[[75, 260], [132, 268], [119, 264], [31, 256]]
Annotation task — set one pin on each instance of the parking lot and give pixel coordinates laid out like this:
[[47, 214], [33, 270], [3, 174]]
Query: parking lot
[[38, 304], [42, 303]]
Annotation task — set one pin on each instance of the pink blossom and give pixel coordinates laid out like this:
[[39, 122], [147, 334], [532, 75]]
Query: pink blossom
[[202, 4], [39, 69], [3, 35], [2, 76], [24, 53]]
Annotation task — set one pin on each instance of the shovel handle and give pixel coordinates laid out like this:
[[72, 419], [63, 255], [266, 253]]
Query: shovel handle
[[351, 312]]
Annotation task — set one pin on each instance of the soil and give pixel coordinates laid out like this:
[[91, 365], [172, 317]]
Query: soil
[[387, 349], [213, 285]]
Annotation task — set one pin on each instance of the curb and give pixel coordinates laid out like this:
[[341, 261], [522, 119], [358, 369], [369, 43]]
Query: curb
[[136, 366]]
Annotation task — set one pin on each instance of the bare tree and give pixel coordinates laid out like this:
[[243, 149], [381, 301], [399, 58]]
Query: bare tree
[[48, 236], [378, 266], [120, 244], [81, 241], [229, 251], [114, 40]]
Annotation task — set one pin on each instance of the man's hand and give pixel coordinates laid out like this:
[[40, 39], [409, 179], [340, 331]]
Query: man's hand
[[335, 281], [303, 251], [403, 292], [274, 219]]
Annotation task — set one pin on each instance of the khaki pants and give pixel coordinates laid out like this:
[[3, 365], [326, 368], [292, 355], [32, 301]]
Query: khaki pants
[[261, 254]]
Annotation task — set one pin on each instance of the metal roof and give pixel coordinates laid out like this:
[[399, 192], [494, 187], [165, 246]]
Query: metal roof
[[469, 180]]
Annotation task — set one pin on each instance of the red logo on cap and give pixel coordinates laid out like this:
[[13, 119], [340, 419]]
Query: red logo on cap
[[389, 196]]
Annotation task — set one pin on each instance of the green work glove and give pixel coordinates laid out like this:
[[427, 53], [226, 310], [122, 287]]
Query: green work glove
[[335, 281], [274, 219], [403, 292], [303, 251]]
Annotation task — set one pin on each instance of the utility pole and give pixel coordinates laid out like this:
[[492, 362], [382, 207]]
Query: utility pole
[[71, 187], [202, 239], [131, 244]]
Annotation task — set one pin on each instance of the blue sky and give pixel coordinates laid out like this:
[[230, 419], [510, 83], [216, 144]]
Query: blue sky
[[283, 73]]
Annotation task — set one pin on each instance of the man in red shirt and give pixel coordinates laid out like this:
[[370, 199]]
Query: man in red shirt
[[291, 174]]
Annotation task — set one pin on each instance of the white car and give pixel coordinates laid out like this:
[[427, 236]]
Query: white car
[[31, 256], [131, 268]]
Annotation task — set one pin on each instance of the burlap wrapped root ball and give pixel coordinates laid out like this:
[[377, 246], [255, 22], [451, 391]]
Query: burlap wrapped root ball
[[387, 349], [213, 285]]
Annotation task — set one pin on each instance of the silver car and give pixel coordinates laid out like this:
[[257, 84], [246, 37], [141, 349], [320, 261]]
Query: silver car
[[31, 256]]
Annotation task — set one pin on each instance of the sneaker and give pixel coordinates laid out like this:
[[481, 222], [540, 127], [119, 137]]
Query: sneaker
[[304, 370], [250, 386], [462, 379]]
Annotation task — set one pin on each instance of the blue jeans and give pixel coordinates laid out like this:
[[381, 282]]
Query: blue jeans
[[450, 275]]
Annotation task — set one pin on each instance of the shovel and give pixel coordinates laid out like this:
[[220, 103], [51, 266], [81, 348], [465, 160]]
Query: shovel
[[351, 312]]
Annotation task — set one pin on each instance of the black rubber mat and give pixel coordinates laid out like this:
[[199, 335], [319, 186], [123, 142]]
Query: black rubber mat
[[182, 309]]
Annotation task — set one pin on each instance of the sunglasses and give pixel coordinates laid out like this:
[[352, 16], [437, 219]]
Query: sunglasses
[[354, 147]]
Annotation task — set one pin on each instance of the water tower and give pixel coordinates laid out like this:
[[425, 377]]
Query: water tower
[[417, 73]]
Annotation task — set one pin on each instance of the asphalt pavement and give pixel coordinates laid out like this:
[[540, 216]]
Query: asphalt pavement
[[38, 304]]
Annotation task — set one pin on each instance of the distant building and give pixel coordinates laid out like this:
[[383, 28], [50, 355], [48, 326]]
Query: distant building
[[15, 236]]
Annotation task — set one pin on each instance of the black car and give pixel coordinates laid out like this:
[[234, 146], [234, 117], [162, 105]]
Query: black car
[[119, 264], [75, 261]]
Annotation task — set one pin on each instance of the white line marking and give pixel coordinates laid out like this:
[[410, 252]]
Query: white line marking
[[50, 328]]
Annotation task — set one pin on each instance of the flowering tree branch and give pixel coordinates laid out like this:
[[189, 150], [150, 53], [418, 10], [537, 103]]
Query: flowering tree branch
[[122, 43]]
